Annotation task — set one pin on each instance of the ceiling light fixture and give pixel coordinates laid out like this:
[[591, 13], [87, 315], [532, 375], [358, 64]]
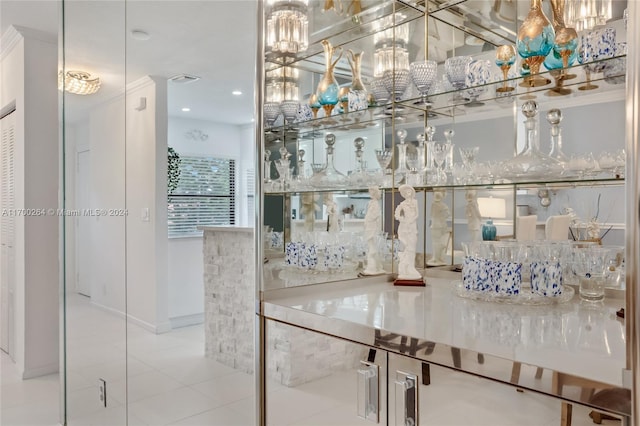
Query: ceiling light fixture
[[586, 14], [185, 109], [390, 44], [236, 93], [287, 26], [78, 82]]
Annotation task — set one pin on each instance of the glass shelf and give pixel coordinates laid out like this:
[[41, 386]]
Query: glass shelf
[[524, 184], [354, 120], [454, 103]]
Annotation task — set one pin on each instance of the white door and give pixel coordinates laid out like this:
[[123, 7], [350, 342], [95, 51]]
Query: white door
[[83, 237], [7, 235]]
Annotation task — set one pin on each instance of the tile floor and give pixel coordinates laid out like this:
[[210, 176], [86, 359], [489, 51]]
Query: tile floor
[[171, 383]]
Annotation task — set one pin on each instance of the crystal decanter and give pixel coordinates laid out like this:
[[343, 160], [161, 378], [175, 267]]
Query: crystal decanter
[[329, 177]]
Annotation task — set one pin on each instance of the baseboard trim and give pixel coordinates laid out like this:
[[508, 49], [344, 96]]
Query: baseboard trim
[[187, 320], [30, 373]]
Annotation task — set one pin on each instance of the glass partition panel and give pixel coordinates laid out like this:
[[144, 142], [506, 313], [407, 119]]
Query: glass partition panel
[[94, 193]]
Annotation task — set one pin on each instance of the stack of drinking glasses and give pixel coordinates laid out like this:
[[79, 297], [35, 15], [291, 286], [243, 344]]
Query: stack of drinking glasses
[[531, 271]]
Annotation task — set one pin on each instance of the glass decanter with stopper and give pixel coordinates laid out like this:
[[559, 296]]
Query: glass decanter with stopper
[[358, 177], [401, 170], [329, 177], [554, 117], [531, 163]]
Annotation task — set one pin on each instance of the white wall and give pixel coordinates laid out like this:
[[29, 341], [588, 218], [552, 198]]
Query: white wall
[[128, 169], [146, 189], [186, 290], [30, 56]]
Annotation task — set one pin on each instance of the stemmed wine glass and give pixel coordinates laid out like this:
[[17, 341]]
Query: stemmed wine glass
[[456, 69], [505, 58], [314, 104], [468, 155], [423, 74], [439, 157], [271, 112], [290, 110], [384, 157], [396, 82]]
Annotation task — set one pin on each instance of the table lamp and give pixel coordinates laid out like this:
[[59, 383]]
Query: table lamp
[[491, 208]]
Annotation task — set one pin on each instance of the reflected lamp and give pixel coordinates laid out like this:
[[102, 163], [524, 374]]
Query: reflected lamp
[[491, 208]]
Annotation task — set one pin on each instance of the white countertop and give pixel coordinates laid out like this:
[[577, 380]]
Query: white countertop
[[572, 338]]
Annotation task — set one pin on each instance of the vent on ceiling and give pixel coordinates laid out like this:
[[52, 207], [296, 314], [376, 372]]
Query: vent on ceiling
[[184, 78]]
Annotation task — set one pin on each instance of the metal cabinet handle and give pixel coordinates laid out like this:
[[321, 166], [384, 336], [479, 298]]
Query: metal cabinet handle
[[369, 391], [406, 399]]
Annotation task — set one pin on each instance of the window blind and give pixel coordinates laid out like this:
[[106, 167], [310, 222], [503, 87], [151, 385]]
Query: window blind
[[205, 195]]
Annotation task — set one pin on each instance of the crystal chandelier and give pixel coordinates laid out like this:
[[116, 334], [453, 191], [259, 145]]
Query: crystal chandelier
[[78, 82], [390, 45], [282, 85], [586, 14], [287, 26]]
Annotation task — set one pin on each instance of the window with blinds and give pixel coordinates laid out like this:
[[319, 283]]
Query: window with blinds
[[205, 195]]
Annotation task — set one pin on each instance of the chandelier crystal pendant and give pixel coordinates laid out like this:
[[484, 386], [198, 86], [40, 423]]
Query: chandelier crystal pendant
[[78, 82], [287, 26], [586, 14]]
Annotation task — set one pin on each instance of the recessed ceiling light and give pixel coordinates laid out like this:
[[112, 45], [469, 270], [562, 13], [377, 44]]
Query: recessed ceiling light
[[185, 109], [140, 35], [236, 92]]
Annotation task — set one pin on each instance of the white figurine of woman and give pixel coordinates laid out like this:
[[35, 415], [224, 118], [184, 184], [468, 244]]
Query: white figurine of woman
[[439, 229], [372, 227], [472, 211], [407, 214], [332, 213]]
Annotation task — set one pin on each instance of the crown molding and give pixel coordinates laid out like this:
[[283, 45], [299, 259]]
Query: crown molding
[[16, 33]]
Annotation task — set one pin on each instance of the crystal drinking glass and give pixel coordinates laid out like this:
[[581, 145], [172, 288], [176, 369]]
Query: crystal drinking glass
[[478, 76], [379, 91], [290, 110], [456, 69], [423, 74], [440, 152], [396, 82], [384, 157], [271, 112], [468, 155]]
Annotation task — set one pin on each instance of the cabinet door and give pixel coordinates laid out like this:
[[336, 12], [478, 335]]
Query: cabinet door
[[427, 394], [315, 379]]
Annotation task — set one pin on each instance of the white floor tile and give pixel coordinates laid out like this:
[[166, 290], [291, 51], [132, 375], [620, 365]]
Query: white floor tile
[[172, 406], [229, 388], [221, 416], [143, 386]]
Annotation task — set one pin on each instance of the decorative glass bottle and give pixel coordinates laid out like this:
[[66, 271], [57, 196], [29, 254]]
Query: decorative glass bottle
[[535, 40], [401, 169], [554, 117], [329, 177], [328, 88], [531, 161], [448, 134]]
